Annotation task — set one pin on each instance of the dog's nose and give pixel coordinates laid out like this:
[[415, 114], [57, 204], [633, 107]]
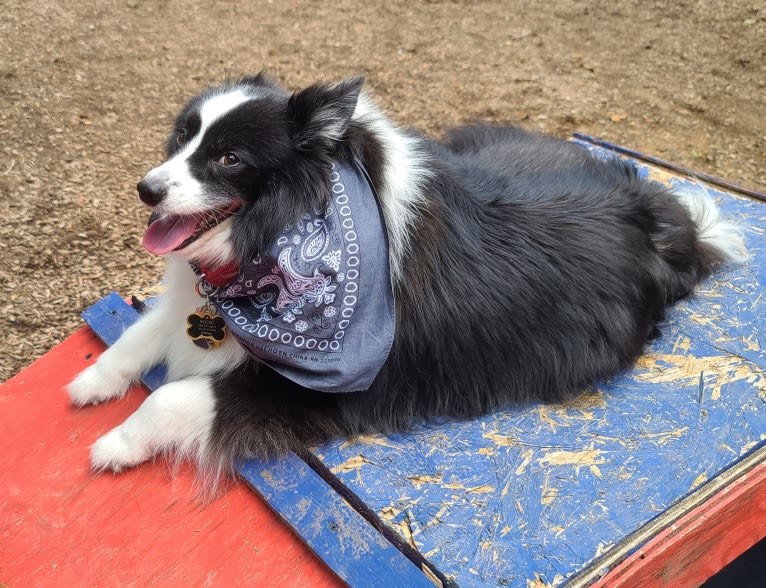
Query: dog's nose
[[151, 192]]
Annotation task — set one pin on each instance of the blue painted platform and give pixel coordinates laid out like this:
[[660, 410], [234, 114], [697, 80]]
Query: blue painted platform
[[532, 496], [537, 493]]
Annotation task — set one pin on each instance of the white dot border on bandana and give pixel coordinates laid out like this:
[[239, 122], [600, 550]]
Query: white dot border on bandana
[[352, 260], [348, 296]]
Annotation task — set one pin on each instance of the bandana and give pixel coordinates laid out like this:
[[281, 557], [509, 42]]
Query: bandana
[[318, 306]]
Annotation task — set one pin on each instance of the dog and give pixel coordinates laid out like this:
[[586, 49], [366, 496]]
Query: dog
[[330, 274]]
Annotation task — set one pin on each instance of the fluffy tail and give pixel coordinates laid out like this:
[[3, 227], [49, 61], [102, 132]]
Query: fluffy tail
[[721, 241]]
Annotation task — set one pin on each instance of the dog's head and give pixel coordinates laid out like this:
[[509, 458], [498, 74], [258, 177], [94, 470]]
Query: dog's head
[[244, 160]]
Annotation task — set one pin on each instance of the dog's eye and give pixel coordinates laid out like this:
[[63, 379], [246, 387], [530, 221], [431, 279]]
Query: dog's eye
[[228, 160], [181, 137]]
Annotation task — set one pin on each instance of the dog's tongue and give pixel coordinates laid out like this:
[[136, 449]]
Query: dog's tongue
[[165, 234]]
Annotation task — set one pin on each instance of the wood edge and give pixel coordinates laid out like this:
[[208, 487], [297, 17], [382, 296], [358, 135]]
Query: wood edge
[[669, 165], [601, 570], [382, 556], [655, 559], [434, 574]]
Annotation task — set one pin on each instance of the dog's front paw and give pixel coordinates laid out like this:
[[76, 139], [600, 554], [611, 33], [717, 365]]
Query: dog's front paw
[[116, 451], [94, 385]]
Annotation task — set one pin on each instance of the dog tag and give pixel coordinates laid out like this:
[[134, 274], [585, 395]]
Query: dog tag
[[205, 328]]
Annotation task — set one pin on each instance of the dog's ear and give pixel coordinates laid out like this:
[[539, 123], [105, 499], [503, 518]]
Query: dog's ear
[[320, 114], [262, 79]]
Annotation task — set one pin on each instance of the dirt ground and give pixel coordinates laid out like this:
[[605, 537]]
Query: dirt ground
[[88, 91]]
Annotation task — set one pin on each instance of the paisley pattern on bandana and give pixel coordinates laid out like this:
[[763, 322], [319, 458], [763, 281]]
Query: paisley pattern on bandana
[[318, 307]]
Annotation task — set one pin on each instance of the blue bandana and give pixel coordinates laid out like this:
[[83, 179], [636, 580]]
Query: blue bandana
[[318, 306]]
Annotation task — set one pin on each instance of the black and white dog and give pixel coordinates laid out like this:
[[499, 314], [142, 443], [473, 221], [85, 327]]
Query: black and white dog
[[329, 274]]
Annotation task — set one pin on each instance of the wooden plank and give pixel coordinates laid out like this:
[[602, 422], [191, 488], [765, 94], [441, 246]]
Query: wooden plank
[[698, 545], [60, 525], [673, 167], [330, 526], [352, 548]]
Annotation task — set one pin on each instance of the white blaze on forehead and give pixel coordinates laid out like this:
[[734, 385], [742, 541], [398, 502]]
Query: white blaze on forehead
[[185, 193], [214, 108]]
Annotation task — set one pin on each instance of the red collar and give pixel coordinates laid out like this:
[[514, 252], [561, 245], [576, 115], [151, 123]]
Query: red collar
[[220, 276]]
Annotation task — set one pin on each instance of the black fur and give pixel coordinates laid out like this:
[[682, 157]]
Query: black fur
[[534, 271]]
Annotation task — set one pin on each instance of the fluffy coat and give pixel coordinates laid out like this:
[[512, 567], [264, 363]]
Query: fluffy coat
[[523, 268]]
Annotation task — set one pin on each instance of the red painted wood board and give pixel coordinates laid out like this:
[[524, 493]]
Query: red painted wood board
[[701, 542], [62, 525]]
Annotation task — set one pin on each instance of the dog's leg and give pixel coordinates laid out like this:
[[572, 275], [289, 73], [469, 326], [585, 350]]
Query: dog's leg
[[176, 416], [140, 347]]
